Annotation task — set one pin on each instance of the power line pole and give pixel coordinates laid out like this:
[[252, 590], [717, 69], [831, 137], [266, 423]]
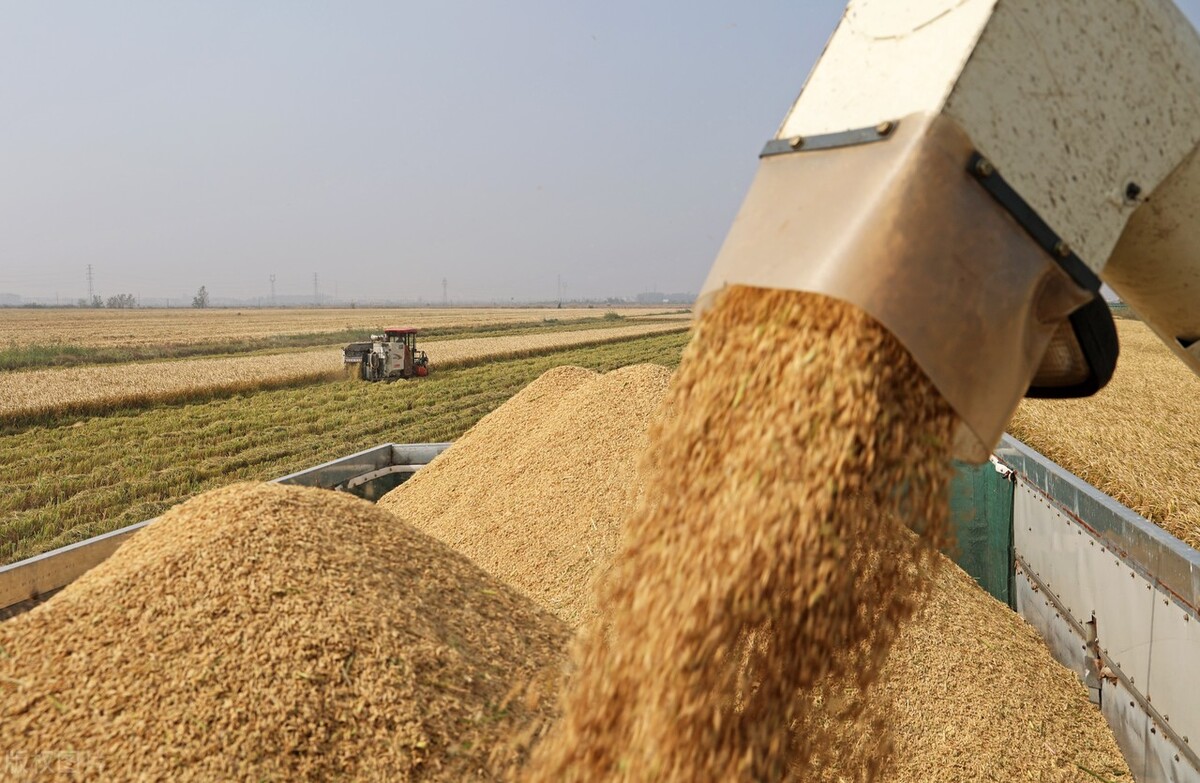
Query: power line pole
[[91, 287], [272, 290], [445, 296], [316, 290]]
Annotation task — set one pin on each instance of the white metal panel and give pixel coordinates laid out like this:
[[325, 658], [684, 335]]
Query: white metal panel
[[887, 60], [1067, 646], [1174, 684], [1073, 99], [1087, 579]]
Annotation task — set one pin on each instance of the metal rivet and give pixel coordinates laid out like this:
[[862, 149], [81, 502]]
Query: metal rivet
[[885, 127], [1062, 249], [984, 167], [796, 142]]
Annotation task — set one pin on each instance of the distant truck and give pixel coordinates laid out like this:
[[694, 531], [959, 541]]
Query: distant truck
[[390, 356]]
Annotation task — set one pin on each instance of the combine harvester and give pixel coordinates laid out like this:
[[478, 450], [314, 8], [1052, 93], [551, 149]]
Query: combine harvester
[[390, 356], [967, 172]]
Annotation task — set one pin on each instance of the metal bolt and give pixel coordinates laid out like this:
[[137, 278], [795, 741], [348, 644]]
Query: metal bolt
[[885, 127], [1132, 191], [796, 142], [984, 167], [1062, 249]]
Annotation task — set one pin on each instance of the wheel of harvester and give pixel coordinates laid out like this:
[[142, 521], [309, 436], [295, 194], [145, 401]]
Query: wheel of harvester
[[422, 371]]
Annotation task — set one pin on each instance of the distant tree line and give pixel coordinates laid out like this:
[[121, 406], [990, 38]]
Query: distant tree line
[[118, 302]]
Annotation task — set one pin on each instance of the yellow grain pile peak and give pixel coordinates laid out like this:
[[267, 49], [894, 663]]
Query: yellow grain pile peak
[[260, 632], [770, 552], [970, 692], [535, 492]]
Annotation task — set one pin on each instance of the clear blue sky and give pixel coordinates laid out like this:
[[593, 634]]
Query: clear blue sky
[[386, 145]]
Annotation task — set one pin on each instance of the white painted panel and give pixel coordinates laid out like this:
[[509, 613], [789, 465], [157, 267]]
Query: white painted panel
[[887, 60], [1088, 579], [1073, 99], [1131, 727], [1174, 685], [1067, 646]]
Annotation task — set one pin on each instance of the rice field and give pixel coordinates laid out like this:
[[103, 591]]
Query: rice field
[[78, 477], [27, 396], [1136, 440], [125, 328]]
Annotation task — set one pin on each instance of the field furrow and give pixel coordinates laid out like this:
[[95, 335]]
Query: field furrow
[[26, 396]]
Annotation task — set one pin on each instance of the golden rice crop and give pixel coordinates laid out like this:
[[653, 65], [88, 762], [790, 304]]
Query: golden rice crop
[[104, 327], [38, 392], [1136, 439]]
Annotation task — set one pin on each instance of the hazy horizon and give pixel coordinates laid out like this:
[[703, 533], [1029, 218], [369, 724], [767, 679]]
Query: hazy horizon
[[386, 146]]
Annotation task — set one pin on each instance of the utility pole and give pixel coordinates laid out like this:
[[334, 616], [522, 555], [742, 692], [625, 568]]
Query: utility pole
[[560, 290], [445, 296], [316, 290], [272, 290], [91, 286]]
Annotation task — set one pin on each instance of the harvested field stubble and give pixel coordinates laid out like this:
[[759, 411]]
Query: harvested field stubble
[[92, 327], [77, 478], [545, 512], [1136, 440], [770, 552], [37, 393], [260, 632]]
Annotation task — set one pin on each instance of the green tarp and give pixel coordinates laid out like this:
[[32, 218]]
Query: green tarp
[[981, 510]]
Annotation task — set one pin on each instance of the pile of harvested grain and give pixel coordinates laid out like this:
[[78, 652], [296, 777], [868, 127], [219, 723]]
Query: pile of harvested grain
[[1136, 439], [969, 689], [263, 632], [970, 692], [535, 493], [770, 553]]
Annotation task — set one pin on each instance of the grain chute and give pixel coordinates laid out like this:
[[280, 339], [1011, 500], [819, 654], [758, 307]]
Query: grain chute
[[969, 171]]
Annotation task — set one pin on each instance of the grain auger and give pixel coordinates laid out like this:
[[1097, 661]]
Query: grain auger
[[968, 172]]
